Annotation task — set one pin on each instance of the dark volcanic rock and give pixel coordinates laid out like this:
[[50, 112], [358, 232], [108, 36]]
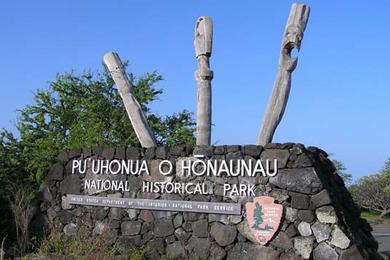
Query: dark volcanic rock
[[108, 153], [70, 185], [324, 252], [176, 250], [299, 180], [248, 251], [181, 234], [219, 150], [223, 234], [282, 240], [232, 148], [74, 153], [200, 228], [299, 201], [306, 215], [276, 154], [204, 150], [130, 228], [163, 227], [120, 153], [351, 253], [253, 150], [198, 247], [56, 172], [162, 152], [132, 153], [177, 150], [124, 243], [65, 216], [149, 153], [321, 231], [320, 199], [217, 252]]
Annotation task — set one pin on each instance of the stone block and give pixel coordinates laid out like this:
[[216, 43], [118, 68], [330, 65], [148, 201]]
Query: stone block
[[223, 234], [326, 214], [304, 246], [176, 250], [304, 229], [56, 172], [324, 252], [321, 231], [320, 199], [253, 150], [130, 228], [163, 227], [299, 201], [200, 228], [339, 238], [282, 240], [276, 154], [299, 180], [198, 248], [306, 215]]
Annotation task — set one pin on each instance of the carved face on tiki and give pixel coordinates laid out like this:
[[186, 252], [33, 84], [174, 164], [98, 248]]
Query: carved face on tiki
[[292, 39], [203, 36], [293, 35]]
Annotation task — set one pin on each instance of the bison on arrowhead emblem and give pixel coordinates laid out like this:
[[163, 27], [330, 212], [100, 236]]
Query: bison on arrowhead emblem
[[263, 217]]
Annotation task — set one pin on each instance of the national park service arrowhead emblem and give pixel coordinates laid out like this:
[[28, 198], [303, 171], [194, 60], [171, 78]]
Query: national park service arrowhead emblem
[[263, 216]]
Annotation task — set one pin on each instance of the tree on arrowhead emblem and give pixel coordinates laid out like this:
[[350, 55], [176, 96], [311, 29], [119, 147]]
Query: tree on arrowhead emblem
[[258, 217]]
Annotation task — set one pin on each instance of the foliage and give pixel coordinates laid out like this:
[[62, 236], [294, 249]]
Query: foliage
[[86, 110], [11, 172], [77, 110], [20, 199], [386, 172], [341, 171], [82, 111], [386, 167], [80, 246], [369, 193], [84, 246], [369, 214]]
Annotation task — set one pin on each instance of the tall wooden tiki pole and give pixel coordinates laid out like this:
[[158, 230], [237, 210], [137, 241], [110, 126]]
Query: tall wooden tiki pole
[[203, 47], [133, 108], [292, 38]]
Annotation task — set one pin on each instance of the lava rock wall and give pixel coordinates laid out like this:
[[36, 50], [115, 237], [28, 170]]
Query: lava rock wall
[[320, 219]]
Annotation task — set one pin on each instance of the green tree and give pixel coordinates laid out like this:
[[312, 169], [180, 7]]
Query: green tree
[[78, 110], [86, 110], [386, 167], [386, 171], [341, 171], [370, 193], [258, 216]]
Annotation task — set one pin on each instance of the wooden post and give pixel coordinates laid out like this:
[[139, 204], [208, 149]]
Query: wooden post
[[292, 38], [133, 108], [203, 45]]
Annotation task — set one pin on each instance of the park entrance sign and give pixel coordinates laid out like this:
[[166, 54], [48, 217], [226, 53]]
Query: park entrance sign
[[185, 167], [211, 202], [265, 201]]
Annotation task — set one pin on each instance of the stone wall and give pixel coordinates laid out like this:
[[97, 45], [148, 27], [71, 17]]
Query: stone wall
[[320, 220]]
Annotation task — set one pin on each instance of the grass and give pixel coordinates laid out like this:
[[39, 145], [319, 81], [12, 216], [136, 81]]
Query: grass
[[373, 218], [84, 246], [80, 246], [369, 214]]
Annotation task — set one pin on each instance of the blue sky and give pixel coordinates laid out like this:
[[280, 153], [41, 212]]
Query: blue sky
[[340, 92]]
